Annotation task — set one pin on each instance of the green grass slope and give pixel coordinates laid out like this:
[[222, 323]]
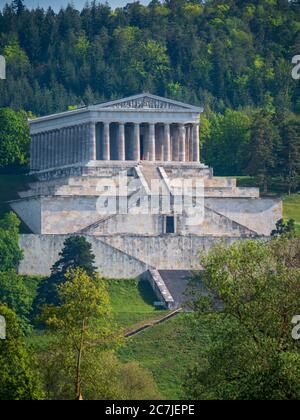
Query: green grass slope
[[167, 350], [291, 209], [132, 302]]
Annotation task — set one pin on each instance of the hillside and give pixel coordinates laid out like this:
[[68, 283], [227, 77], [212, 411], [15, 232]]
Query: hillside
[[229, 54]]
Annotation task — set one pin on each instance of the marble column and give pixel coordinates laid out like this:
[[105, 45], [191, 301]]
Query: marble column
[[160, 142], [67, 145], [175, 143], [85, 147], [51, 149], [80, 152], [187, 143], [121, 142], [196, 143], [152, 142], [43, 150], [38, 151], [167, 143], [106, 141], [146, 142], [191, 146], [92, 141], [63, 146], [74, 140], [57, 147], [181, 139], [32, 152], [136, 142], [82, 144], [71, 145]]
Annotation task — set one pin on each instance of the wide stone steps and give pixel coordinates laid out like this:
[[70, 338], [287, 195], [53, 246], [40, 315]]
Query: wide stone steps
[[150, 173]]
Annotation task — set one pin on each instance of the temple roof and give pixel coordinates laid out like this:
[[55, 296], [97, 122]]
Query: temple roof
[[147, 101], [143, 102]]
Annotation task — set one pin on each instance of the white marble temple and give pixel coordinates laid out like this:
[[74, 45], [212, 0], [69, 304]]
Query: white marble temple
[[141, 127]]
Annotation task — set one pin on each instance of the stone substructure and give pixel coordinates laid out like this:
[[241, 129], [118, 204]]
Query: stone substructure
[[73, 200], [141, 216], [136, 242]]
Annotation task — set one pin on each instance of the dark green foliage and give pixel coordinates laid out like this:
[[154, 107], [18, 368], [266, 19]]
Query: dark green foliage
[[289, 152], [232, 57], [224, 138], [260, 153], [77, 253], [14, 139], [16, 295], [10, 252], [250, 352], [221, 54], [18, 380], [283, 227]]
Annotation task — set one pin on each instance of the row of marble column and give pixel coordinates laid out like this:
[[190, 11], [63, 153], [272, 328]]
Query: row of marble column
[[158, 144], [62, 147], [78, 143]]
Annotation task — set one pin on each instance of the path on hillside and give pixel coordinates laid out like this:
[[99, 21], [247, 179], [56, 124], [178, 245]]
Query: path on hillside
[[130, 332]]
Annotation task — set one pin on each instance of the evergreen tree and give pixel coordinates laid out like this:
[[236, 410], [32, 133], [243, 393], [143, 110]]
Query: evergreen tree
[[260, 152], [289, 152], [221, 55], [77, 253]]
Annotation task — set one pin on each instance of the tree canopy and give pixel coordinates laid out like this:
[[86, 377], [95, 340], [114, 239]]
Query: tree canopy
[[18, 380], [252, 354], [76, 254], [14, 138], [10, 252], [217, 53]]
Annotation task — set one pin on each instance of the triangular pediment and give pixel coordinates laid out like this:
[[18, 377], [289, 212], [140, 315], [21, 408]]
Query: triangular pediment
[[147, 101]]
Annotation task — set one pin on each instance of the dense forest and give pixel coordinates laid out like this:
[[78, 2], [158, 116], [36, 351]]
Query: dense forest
[[234, 53], [233, 57]]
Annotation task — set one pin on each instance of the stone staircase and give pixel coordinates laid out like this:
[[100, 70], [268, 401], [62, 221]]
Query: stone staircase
[[150, 173], [177, 282], [173, 289]]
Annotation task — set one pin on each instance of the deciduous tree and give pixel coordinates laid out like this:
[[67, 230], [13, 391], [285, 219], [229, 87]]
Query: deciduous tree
[[251, 353]]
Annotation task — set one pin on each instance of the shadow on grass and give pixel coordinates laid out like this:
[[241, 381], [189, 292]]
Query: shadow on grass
[[147, 294]]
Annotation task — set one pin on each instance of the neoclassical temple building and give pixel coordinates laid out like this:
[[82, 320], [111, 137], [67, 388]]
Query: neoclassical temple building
[[143, 127], [127, 175]]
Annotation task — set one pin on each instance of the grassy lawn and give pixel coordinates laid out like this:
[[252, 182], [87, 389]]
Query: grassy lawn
[[167, 350], [291, 209], [132, 302]]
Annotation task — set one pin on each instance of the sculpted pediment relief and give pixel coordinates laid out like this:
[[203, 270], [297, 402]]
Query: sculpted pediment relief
[[148, 101]]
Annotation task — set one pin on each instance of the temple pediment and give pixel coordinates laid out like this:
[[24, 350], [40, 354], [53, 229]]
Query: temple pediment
[[148, 102]]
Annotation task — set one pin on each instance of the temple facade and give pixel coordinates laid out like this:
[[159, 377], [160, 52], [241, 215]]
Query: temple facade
[[142, 127]]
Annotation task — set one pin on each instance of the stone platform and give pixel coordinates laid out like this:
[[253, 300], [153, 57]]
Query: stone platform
[[72, 200]]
